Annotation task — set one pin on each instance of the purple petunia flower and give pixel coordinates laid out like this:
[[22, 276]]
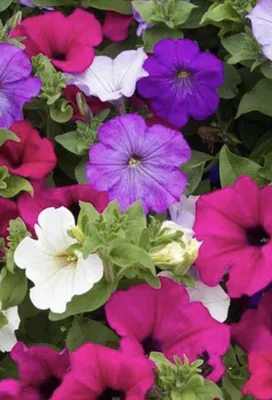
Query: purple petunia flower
[[17, 86], [182, 81], [135, 162], [143, 25]]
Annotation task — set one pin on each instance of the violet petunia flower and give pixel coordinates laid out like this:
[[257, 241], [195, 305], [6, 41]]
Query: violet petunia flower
[[135, 162], [165, 320], [142, 24], [261, 20], [182, 81], [17, 86], [29, 3]]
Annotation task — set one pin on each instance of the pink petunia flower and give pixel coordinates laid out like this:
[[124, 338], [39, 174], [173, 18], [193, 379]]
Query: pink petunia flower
[[116, 26], [260, 382], [10, 389], [67, 40], [40, 368], [98, 372], [254, 331], [68, 196], [32, 157], [164, 320], [235, 225]]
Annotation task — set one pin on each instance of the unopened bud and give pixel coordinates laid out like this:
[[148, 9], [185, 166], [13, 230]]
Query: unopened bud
[[84, 108]]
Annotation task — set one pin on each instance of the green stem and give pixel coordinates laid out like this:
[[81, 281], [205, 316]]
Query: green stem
[[109, 272]]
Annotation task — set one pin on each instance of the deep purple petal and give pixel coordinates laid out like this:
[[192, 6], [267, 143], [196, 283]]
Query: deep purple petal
[[14, 63], [209, 70], [175, 112], [204, 102]]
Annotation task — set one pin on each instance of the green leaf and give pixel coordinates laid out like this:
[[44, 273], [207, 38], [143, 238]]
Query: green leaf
[[221, 12], [127, 254], [15, 185], [156, 33], [146, 9], [136, 222], [257, 99], [17, 232], [5, 4], [120, 6], [87, 302], [181, 14], [80, 171], [242, 47], [208, 391], [266, 171], [232, 166], [86, 330], [13, 288], [262, 150], [87, 214], [61, 111], [230, 389], [3, 320], [55, 3], [232, 79], [5, 134]]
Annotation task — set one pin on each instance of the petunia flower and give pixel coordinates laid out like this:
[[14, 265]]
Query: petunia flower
[[261, 20], [98, 372], [254, 331], [116, 26], [134, 162], [8, 211], [40, 368], [110, 79], [33, 157], [164, 320], [7, 332], [69, 41], [260, 367], [29, 207], [182, 81], [94, 103], [142, 24], [234, 224], [17, 86], [57, 274], [183, 213]]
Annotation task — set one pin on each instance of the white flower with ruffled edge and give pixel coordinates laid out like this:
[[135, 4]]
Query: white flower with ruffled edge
[[110, 79], [57, 275], [7, 332], [183, 213]]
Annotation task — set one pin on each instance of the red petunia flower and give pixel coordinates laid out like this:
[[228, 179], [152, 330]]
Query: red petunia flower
[[116, 26], [32, 157], [94, 103], [67, 40], [235, 226]]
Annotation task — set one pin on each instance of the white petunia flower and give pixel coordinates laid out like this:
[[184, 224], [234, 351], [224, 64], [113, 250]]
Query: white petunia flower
[[183, 213], [215, 299], [7, 335], [110, 79], [57, 275]]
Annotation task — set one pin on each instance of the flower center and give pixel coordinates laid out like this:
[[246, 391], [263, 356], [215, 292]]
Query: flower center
[[205, 367], [133, 161], [48, 387], [150, 344], [75, 209], [183, 74], [257, 236], [111, 394], [59, 56]]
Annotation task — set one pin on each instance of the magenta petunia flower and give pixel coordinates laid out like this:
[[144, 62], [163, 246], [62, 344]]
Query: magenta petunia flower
[[260, 383], [8, 211], [33, 157], [235, 226], [40, 368], [98, 372], [17, 86], [254, 331], [135, 162], [69, 41], [30, 207], [182, 81], [164, 320]]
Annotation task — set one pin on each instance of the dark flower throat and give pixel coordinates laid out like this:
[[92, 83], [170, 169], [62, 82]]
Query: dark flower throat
[[111, 394], [257, 236], [47, 388]]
